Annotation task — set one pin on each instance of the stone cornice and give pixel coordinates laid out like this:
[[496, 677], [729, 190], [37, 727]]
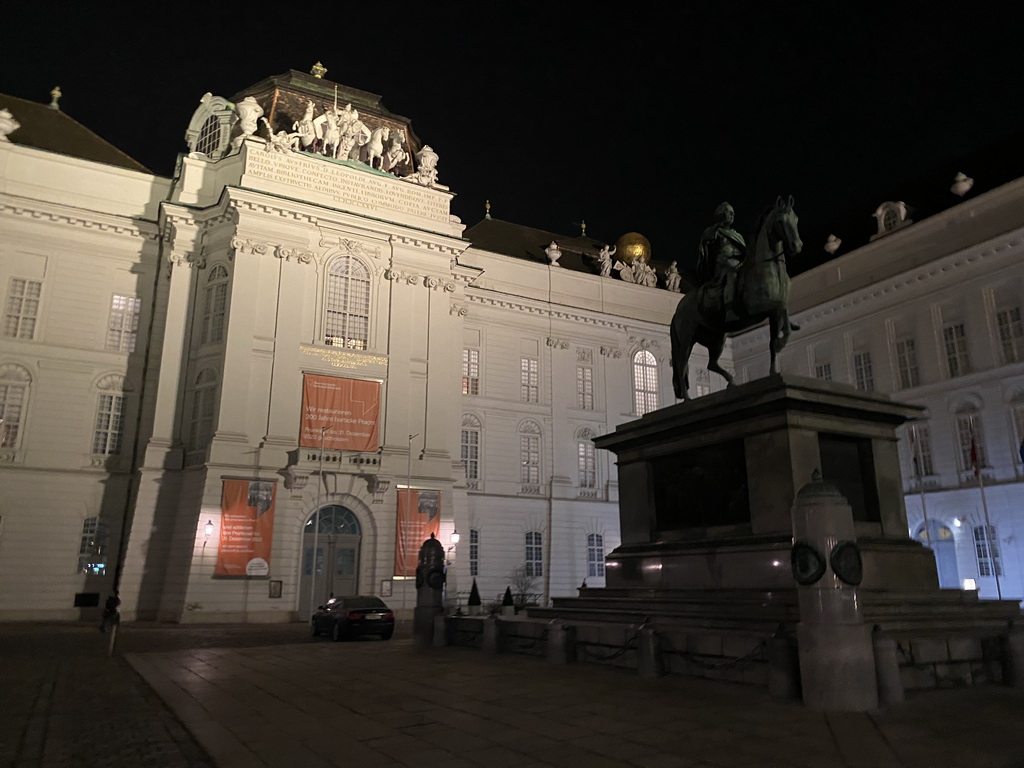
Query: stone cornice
[[89, 220], [533, 309]]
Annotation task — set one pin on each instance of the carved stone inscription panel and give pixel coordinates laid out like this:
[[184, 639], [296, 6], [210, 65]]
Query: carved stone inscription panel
[[348, 188]]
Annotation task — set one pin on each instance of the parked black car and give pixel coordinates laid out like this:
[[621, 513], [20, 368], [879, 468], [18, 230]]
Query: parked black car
[[345, 617]]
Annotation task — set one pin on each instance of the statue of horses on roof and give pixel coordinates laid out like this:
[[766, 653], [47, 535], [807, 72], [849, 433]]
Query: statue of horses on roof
[[761, 293]]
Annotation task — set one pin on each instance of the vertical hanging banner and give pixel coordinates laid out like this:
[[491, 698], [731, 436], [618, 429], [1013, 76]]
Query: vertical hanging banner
[[419, 515], [349, 409], [246, 528]]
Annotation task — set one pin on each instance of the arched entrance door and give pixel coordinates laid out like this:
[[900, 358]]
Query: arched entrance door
[[944, 546], [337, 537]]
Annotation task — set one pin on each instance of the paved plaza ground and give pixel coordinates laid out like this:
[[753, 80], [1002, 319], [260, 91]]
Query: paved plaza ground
[[251, 696]]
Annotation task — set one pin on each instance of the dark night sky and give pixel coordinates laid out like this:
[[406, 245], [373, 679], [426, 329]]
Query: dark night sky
[[641, 119]]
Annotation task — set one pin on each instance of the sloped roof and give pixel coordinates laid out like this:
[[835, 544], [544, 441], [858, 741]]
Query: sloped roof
[[53, 131]]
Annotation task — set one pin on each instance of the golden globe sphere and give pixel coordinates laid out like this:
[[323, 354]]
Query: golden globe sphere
[[632, 246]]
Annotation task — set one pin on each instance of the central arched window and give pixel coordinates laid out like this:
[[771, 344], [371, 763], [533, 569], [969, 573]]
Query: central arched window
[[347, 304], [333, 520], [645, 382]]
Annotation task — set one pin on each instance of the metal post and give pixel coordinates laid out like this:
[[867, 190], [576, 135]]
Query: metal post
[[316, 526]]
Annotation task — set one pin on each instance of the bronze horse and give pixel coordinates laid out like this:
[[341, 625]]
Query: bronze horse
[[762, 292]]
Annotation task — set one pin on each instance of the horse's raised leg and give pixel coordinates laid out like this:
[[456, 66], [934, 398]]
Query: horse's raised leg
[[715, 347], [776, 340]]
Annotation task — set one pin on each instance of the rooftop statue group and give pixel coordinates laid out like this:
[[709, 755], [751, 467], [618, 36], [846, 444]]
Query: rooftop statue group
[[341, 135], [746, 286], [639, 272]]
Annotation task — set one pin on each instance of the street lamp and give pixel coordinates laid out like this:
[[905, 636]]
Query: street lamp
[[209, 528], [450, 584]]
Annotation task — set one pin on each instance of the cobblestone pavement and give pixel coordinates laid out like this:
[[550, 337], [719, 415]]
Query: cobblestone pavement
[[271, 696]]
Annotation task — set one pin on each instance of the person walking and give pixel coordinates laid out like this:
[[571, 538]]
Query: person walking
[[110, 614]]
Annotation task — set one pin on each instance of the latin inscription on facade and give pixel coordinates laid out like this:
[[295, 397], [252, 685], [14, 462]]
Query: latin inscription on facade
[[347, 188], [340, 358]]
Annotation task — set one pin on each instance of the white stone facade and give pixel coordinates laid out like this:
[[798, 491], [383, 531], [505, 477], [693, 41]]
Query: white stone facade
[[192, 308], [931, 314]]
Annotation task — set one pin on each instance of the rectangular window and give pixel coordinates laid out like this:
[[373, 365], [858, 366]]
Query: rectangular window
[[471, 371], [864, 377], [1011, 335], [921, 450], [823, 371], [969, 431], [474, 552], [906, 364], [529, 455], [986, 547], [595, 555], [109, 425], [471, 453], [534, 554], [1018, 425], [529, 380], [954, 339], [587, 464], [22, 308], [584, 388], [216, 310], [123, 324], [12, 403]]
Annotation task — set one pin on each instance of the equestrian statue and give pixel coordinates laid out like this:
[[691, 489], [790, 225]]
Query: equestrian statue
[[745, 289]]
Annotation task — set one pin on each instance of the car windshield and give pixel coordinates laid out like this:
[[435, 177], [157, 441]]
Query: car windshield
[[364, 602]]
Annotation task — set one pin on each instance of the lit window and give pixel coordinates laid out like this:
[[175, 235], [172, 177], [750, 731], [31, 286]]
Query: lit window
[[906, 364], [14, 387], [348, 304], [971, 440], [216, 306], [203, 406], [645, 382], [123, 324], [954, 338], [109, 425], [474, 552], [22, 308], [864, 377], [529, 455], [92, 552], [584, 387], [471, 371], [595, 555], [529, 380], [986, 547], [534, 554], [1011, 335], [470, 448]]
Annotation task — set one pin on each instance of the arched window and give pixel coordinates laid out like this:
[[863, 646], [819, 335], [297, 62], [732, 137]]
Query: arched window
[[534, 553], [92, 551], [109, 424], [216, 306], [595, 555], [470, 448], [14, 388], [204, 398], [209, 137], [586, 459], [347, 303], [334, 520], [645, 382], [529, 456]]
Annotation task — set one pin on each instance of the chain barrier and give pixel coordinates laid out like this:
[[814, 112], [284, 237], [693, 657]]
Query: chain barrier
[[699, 660], [630, 645]]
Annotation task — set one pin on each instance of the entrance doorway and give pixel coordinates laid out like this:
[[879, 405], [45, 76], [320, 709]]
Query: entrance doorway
[[337, 536], [944, 546]]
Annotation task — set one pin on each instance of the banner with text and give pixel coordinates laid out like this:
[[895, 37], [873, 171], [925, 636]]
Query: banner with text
[[347, 410], [419, 515], [246, 528]]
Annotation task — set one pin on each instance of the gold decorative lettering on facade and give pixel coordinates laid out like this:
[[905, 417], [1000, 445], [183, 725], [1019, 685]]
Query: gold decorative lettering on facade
[[346, 187], [340, 358]]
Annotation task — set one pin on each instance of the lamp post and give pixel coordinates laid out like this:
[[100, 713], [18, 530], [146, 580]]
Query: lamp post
[[450, 581], [316, 524]]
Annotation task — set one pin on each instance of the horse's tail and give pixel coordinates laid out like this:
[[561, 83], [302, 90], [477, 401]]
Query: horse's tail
[[680, 357]]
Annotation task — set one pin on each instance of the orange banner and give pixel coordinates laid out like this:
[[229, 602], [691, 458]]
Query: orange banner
[[246, 528], [419, 515], [347, 411]]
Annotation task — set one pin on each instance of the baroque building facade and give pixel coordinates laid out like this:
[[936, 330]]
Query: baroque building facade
[[237, 391], [930, 313]]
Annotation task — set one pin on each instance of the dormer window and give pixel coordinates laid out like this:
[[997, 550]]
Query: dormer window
[[890, 217], [209, 131]]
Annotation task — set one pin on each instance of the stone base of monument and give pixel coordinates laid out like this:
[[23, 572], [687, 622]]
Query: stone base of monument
[[710, 513]]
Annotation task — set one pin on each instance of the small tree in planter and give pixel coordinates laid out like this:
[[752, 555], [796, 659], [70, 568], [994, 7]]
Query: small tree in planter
[[473, 605], [523, 582], [508, 607]]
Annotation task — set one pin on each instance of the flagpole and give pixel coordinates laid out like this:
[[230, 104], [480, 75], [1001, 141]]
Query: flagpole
[[919, 471], [316, 525], [992, 551]]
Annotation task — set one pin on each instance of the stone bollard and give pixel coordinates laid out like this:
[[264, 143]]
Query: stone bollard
[[1011, 648], [440, 630], [783, 666], [837, 660], [491, 640], [561, 645], [648, 652], [429, 584], [887, 669]]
